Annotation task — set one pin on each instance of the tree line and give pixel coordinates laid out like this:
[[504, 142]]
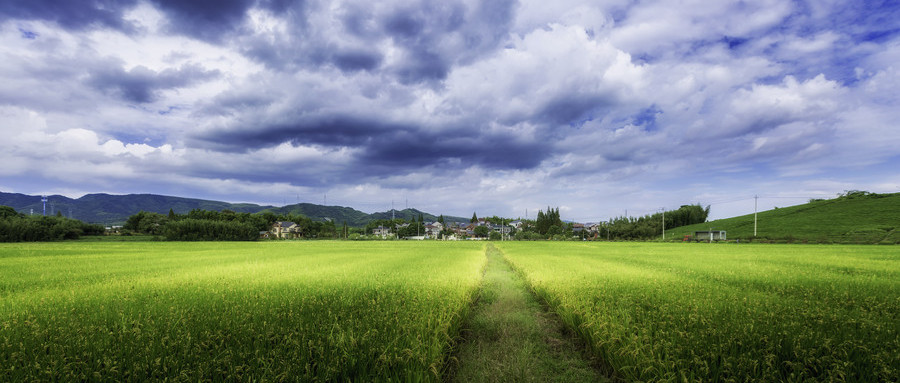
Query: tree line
[[225, 225], [17, 227], [650, 226]]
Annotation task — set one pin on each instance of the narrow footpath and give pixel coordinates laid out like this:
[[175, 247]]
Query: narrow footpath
[[511, 338]]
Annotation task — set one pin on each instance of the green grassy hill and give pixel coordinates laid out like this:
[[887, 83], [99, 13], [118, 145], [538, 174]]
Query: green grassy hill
[[858, 217]]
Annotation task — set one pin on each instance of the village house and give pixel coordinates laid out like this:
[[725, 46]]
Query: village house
[[577, 228], [286, 229], [502, 229], [433, 229], [382, 232]]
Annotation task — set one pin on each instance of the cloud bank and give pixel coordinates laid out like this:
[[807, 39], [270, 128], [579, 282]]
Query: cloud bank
[[494, 106]]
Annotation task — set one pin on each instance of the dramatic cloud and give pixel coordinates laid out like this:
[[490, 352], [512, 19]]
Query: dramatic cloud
[[461, 105], [141, 84]]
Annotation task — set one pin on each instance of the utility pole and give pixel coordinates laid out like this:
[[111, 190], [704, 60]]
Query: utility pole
[[664, 224], [755, 208]]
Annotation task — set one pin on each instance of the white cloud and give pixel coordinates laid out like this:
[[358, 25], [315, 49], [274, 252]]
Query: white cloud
[[619, 104]]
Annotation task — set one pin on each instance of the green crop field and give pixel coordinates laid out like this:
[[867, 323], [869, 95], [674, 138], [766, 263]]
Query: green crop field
[[364, 311], [725, 312], [306, 311]]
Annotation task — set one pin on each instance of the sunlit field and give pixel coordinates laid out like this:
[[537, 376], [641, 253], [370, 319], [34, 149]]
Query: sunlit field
[[363, 311], [725, 312], [266, 311]]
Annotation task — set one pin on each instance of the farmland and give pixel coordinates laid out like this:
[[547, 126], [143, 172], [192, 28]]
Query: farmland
[[361, 311], [249, 311], [702, 312]]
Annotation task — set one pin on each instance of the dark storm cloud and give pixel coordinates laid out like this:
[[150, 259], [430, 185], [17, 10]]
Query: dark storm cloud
[[208, 20], [141, 85], [428, 38], [357, 60], [69, 14], [382, 145], [426, 30], [456, 148], [572, 109], [330, 131], [422, 66]]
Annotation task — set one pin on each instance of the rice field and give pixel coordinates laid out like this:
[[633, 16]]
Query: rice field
[[295, 311], [391, 311], [725, 312]]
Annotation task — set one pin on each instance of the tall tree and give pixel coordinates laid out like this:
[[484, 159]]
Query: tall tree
[[474, 218]]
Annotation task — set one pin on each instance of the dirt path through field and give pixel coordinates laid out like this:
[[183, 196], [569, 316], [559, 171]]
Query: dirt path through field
[[511, 338]]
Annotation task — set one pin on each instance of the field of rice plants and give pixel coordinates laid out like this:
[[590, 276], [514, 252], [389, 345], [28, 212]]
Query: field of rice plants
[[270, 311], [725, 312]]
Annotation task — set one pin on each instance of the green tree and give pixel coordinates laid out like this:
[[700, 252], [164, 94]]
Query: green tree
[[482, 231], [554, 230], [474, 218], [8, 212]]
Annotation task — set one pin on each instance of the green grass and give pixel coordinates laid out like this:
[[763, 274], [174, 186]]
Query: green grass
[[271, 311], [871, 219], [509, 337], [725, 313]]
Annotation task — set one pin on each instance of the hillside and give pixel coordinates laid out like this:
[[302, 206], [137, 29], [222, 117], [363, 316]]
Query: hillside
[[115, 209], [855, 218]]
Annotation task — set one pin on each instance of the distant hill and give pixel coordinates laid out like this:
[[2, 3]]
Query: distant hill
[[354, 217], [857, 217], [115, 209]]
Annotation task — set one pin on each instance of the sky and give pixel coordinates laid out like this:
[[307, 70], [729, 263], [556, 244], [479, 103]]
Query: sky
[[498, 107]]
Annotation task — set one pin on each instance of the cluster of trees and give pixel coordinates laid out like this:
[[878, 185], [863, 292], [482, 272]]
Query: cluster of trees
[[651, 225], [17, 227], [190, 229], [549, 223], [226, 225], [402, 227]]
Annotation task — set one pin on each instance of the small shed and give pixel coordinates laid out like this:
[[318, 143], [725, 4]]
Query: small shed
[[710, 235]]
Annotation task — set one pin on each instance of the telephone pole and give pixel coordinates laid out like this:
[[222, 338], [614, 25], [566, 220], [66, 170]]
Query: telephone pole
[[755, 204], [664, 224]]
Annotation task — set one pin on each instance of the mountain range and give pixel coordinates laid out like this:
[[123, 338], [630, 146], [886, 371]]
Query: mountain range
[[110, 209]]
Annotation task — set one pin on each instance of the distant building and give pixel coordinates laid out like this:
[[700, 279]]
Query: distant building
[[433, 229], [286, 229], [577, 228], [710, 235], [382, 232]]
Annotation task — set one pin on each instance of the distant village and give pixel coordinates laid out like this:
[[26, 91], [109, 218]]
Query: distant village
[[493, 228], [547, 225]]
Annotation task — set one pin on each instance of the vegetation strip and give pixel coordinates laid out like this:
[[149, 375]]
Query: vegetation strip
[[700, 312], [509, 338]]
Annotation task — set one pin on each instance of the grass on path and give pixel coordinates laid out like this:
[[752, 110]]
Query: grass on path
[[509, 337]]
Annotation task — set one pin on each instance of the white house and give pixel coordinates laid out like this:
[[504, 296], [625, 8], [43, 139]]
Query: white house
[[286, 229], [382, 231]]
